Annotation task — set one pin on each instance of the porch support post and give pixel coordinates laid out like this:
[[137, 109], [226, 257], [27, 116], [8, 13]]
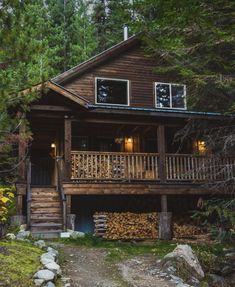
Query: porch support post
[[165, 220], [164, 203], [161, 152], [67, 148]]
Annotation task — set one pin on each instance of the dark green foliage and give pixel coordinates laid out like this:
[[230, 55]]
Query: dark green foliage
[[193, 41], [219, 215]]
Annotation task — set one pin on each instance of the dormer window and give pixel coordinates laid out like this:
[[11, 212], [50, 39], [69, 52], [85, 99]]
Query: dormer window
[[172, 96], [112, 91]]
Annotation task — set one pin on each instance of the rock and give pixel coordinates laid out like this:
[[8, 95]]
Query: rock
[[10, 236], [53, 251], [39, 282], [185, 262], [181, 284], [217, 281], [65, 234], [47, 258], [67, 285], [40, 243], [50, 284], [45, 275], [54, 267], [226, 270], [77, 234], [230, 256], [230, 279], [23, 235], [23, 227]]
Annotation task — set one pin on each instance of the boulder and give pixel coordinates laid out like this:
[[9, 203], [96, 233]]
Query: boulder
[[217, 281], [40, 243], [77, 234], [54, 267], [47, 258], [185, 262], [45, 275], [23, 227], [52, 251], [23, 235], [10, 236], [50, 284], [39, 282]]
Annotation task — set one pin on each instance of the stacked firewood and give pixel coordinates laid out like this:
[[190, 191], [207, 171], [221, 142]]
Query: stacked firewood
[[185, 228], [126, 226]]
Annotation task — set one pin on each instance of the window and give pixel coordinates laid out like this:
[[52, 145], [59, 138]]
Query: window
[[112, 91], [170, 96]]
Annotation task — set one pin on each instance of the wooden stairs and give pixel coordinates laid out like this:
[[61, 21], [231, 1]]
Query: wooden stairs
[[45, 212]]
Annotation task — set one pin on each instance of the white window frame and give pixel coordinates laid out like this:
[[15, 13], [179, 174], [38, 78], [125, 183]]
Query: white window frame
[[170, 84], [113, 79]]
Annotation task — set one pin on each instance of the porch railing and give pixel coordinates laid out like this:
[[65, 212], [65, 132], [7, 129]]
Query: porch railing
[[186, 167], [113, 166]]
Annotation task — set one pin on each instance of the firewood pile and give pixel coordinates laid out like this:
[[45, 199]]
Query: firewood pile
[[183, 228], [126, 226]]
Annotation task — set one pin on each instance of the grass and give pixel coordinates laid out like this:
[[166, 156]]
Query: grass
[[19, 261], [118, 250]]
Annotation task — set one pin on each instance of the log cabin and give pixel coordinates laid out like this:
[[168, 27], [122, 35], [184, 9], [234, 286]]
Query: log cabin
[[103, 140]]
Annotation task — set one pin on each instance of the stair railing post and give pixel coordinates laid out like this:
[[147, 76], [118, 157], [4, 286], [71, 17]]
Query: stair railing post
[[29, 196]]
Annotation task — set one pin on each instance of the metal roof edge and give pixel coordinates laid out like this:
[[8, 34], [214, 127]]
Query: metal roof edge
[[162, 110]]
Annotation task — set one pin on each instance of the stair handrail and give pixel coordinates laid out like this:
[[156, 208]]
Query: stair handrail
[[28, 192], [61, 192]]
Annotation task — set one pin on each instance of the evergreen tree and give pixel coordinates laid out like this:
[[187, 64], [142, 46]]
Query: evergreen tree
[[193, 41], [83, 41], [109, 17]]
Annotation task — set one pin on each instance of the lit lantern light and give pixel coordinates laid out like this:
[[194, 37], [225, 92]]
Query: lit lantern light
[[129, 144], [201, 145], [53, 145]]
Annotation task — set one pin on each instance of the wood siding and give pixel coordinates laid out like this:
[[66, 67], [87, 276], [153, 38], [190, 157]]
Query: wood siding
[[132, 65]]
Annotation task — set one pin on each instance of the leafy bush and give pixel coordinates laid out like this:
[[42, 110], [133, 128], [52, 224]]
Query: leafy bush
[[219, 216], [6, 202]]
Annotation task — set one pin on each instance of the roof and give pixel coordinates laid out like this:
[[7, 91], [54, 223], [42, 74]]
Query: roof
[[157, 111], [55, 84], [97, 59]]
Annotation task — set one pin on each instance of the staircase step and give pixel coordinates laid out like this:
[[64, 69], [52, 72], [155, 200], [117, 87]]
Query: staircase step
[[47, 210], [46, 217], [36, 204], [42, 198], [46, 224]]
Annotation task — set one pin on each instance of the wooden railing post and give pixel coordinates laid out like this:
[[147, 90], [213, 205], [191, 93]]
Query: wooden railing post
[[67, 148], [161, 152]]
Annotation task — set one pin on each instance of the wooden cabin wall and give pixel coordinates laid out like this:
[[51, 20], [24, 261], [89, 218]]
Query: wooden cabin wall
[[132, 65]]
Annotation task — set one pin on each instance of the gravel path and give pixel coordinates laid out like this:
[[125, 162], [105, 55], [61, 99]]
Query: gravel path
[[87, 267]]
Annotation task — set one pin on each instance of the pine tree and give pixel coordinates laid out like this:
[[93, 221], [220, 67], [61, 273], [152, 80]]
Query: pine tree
[[83, 41], [193, 41]]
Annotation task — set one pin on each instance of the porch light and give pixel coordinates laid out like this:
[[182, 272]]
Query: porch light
[[53, 145], [201, 147], [129, 140]]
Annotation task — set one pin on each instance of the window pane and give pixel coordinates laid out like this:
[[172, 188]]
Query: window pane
[[178, 96], [163, 95], [112, 92]]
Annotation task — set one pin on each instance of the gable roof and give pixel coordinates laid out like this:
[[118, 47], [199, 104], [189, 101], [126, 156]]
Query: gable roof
[[97, 59]]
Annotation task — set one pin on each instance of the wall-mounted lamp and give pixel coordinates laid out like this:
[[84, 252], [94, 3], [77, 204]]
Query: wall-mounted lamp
[[53, 145], [129, 140]]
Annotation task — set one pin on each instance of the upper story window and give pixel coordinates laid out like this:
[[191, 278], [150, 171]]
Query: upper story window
[[112, 91], [171, 96]]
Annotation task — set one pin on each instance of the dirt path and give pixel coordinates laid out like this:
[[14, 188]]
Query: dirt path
[[88, 267]]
